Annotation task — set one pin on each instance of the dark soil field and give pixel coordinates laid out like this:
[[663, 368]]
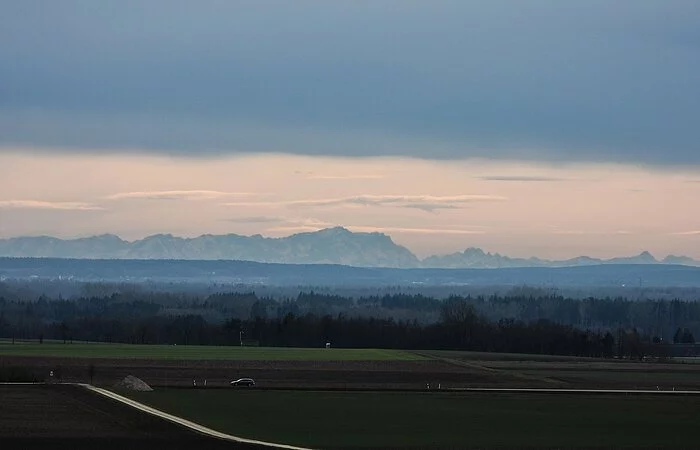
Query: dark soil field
[[61, 417], [297, 399], [89, 350], [436, 419], [581, 373], [271, 374], [446, 369]]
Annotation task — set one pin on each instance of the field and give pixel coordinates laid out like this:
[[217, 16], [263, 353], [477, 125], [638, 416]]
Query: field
[[573, 372], [339, 420], [68, 417], [197, 352], [364, 398], [170, 366]]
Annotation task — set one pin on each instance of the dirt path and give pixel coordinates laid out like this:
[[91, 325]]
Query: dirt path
[[185, 423], [273, 374], [503, 374], [70, 417]]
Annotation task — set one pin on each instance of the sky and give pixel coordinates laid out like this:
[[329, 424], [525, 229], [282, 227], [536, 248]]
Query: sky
[[526, 127]]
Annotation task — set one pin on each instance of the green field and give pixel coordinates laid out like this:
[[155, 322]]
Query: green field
[[485, 356], [336, 420], [194, 352]]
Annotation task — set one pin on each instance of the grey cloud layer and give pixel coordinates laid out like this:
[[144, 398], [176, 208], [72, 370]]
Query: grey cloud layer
[[536, 79]]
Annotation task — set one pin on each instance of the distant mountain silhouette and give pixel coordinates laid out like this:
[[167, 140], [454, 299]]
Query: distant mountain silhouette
[[329, 246], [476, 258], [680, 260]]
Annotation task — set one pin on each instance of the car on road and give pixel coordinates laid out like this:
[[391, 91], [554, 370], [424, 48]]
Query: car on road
[[249, 382]]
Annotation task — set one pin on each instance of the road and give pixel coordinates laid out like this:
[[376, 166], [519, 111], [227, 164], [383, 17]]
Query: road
[[578, 391], [184, 422], [38, 416], [58, 416]]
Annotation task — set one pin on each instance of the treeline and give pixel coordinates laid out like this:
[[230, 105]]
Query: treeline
[[659, 316], [460, 328], [135, 314], [31, 289]]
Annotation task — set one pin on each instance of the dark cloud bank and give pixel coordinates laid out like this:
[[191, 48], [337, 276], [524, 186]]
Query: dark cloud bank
[[542, 80]]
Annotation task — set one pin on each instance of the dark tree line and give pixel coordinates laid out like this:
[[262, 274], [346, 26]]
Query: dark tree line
[[460, 327], [526, 321], [659, 318]]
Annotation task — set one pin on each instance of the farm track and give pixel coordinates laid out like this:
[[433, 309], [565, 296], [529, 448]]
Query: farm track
[[61, 417], [273, 374], [457, 372], [501, 373]]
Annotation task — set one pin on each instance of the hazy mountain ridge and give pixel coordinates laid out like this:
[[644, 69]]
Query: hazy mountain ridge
[[477, 258], [329, 246], [621, 277]]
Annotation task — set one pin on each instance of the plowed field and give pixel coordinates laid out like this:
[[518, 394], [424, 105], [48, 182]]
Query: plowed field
[[69, 417]]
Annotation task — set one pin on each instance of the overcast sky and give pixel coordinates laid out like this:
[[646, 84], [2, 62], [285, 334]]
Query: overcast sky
[[502, 98]]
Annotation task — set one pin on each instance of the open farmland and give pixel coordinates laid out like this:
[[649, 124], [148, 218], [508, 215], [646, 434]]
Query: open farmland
[[268, 374], [384, 402], [59, 417], [200, 352], [439, 419], [105, 364], [572, 372]]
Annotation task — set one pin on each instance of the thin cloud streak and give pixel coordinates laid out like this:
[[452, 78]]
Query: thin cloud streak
[[311, 226], [301, 225], [428, 203], [592, 233], [256, 219], [524, 178], [410, 230], [344, 177], [176, 195], [47, 205]]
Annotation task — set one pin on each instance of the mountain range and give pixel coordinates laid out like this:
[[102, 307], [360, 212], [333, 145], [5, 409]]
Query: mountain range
[[329, 246]]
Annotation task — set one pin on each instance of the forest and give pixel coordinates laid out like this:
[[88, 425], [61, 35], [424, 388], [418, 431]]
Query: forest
[[526, 320]]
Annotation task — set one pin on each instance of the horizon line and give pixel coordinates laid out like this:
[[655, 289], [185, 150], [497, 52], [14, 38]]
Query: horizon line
[[339, 227]]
